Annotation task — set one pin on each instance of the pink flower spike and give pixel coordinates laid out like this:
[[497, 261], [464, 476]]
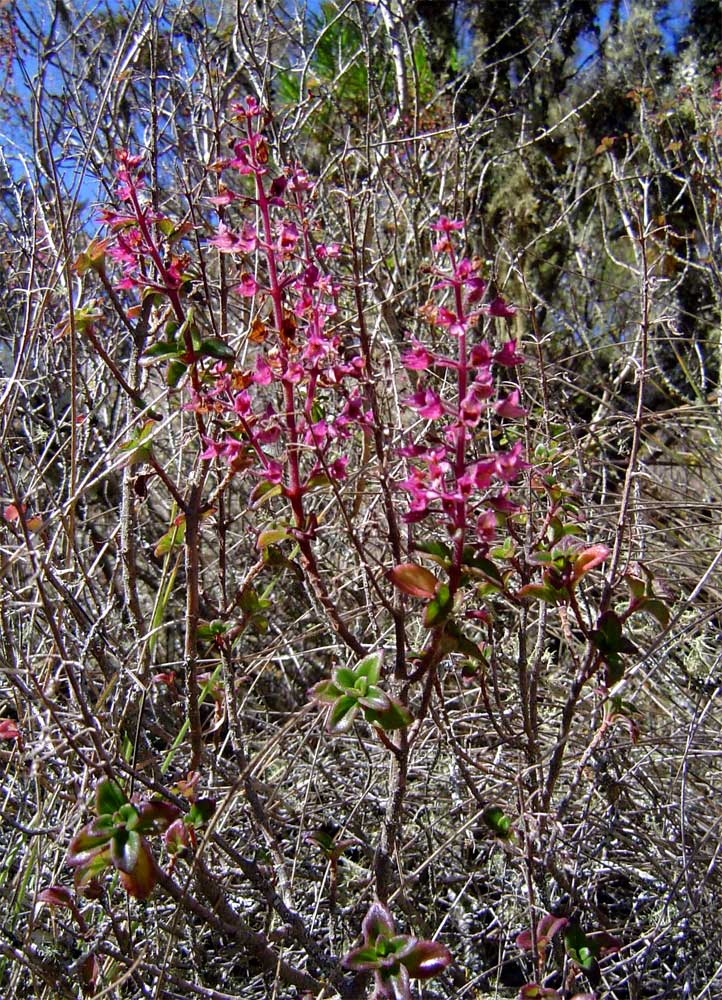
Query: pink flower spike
[[508, 356], [498, 307], [510, 407]]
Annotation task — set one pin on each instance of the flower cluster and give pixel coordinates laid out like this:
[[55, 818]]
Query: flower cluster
[[287, 438], [448, 471]]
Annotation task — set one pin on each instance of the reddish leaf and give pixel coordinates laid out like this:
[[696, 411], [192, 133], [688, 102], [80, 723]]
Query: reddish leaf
[[9, 730], [588, 559], [415, 580], [427, 959]]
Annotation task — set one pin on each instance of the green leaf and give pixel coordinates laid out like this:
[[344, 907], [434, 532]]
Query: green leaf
[[264, 491], [498, 822], [272, 536], [201, 812], [163, 349], [325, 692], [482, 568], [438, 609], [657, 609], [134, 860], [343, 712], [375, 699], [542, 592], [173, 538], [87, 841], [344, 678], [370, 666], [439, 552], [211, 347], [176, 371], [396, 716], [139, 447], [109, 797]]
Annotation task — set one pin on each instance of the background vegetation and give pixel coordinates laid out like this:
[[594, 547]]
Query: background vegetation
[[544, 772]]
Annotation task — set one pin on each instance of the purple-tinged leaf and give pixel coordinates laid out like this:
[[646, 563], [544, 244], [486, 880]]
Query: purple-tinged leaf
[[89, 839], [361, 959], [533, 991], [156, 816], [375, 699], [134, 860], [378, 922], [57, 895], [125, 849], [395, 986], [325, 692], [176, 838], [548, 926], [587, 560], [426, 959]]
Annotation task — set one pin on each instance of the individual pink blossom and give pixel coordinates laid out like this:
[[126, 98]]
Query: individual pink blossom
[[508, 356], [418, 359], [510, 407], [480, 355], [248, 286], [455, 325], [486, 527], [510, 463], [498, 307], [446, 225], [427, 403]]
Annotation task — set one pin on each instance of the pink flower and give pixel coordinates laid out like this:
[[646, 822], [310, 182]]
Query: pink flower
[[486, 527], [225, 240], [242, 404], [498, 307], [510, 463], [263, 374], [418, 359], [337, 469], [248, 286], [480, 355], [510, 407], [456, 326], [426, 403], [508, 356], [447, 225]]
